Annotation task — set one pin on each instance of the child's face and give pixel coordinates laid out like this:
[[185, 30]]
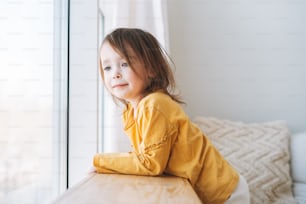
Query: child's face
[[120, 79]]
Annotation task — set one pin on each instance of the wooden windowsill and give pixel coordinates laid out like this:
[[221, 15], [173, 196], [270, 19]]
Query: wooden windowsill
[[115, 188]]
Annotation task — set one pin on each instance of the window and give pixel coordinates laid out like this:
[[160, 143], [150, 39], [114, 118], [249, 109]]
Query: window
[[50, 91], [33, 92]]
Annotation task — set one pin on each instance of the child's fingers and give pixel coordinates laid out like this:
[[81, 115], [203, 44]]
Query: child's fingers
[[91, 170]]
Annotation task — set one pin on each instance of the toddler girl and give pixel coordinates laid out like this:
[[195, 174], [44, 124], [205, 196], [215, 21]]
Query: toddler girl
[[137, 72]]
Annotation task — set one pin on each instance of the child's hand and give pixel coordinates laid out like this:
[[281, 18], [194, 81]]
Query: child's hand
[[91, 170]]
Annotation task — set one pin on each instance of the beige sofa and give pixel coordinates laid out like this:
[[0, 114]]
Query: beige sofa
[[270, 157]]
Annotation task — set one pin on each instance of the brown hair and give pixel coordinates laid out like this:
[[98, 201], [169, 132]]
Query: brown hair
[[157, 63]]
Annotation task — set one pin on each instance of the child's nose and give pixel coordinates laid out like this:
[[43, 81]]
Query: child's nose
[[116, 74]]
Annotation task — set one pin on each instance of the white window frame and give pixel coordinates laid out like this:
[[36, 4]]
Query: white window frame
[[84, 88], [60, 113]]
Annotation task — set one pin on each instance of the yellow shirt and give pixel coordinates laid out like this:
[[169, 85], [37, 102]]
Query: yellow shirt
[[164, 140]]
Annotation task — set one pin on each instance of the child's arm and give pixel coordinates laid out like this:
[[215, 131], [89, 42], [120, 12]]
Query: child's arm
[[150, 157], [151, 162]]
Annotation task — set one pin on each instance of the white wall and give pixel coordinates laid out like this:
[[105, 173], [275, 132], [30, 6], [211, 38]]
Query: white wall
[[241, 60]]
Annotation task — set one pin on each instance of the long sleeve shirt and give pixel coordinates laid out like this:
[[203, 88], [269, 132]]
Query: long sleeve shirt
[[164, 140]]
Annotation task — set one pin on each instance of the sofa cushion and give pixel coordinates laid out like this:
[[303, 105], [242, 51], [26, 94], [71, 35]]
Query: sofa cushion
[[259, 152], [298, 164]]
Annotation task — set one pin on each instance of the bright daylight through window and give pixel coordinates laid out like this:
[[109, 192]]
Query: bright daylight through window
[[32, 101]]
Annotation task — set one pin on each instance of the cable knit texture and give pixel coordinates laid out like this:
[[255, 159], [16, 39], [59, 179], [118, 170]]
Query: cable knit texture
[[260, 152]]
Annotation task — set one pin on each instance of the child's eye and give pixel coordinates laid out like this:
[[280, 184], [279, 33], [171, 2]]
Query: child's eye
[[124, 64], [106, 68]]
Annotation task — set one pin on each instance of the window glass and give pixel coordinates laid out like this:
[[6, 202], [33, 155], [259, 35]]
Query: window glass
[[32, 163]]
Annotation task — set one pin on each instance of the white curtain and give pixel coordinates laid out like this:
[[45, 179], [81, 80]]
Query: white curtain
[[150, 15]]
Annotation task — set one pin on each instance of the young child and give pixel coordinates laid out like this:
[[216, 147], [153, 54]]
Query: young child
[[137, 72]]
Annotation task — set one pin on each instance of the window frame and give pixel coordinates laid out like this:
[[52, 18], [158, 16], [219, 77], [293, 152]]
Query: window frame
[[84, 96]]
